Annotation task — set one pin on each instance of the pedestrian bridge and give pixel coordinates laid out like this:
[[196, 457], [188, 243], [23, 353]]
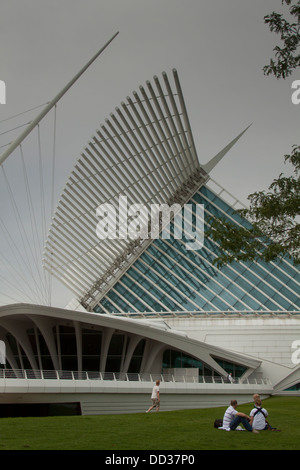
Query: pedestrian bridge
[[31, 374], [114, 393]]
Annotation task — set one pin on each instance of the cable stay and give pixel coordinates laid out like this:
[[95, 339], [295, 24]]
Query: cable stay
[[27, 199]]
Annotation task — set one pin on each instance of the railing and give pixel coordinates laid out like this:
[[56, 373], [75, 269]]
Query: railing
[[209, 313], [30, 374]]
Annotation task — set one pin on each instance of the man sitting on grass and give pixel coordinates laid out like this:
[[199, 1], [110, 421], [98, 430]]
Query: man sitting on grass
[[232, 418]]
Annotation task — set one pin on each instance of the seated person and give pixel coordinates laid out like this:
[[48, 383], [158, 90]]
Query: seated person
[[258, 415], [232, 418]]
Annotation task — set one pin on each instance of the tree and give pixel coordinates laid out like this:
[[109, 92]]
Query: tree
[[286, 57], [274, 229]]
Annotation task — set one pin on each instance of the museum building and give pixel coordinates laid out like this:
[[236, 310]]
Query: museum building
[[153, 305]]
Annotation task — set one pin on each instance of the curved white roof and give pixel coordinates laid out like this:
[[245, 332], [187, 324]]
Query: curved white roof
[[18, 318]]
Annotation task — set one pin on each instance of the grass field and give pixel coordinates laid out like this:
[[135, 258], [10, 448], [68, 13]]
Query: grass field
[[174, 430]]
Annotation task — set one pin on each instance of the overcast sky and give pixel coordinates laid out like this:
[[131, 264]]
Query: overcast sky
[[218, 47]]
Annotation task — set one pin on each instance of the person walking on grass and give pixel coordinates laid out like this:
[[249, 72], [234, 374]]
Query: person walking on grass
[[155, 397]]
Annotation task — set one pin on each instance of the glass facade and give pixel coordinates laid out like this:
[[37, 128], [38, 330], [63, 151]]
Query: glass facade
[[173, 359], [91, 349], [66, 343], [237, 370], [170, 277], [66, 346], [39, 348], [294, 388]]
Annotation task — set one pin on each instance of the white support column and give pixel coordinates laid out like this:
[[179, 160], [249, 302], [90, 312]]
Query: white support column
[[152, 352], [46, 328], [133, 342], [106, 339], [22, 339]]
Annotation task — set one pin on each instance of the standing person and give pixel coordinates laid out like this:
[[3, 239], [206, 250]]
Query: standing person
[[232, 418], [230, 378], [155, 397]]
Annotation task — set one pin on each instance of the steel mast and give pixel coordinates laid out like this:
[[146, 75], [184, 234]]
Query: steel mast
[[51, 104]]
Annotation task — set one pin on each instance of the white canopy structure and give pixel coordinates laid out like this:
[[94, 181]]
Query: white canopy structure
[[146, 152]]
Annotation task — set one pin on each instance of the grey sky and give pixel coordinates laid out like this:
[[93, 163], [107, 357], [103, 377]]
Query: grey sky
[[218, 48]]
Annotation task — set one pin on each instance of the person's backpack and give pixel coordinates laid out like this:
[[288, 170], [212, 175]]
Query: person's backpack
[[259, 410], [218, 423], [270, 428]]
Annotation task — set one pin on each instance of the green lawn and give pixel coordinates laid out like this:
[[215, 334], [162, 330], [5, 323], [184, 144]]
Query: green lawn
[[175, 430]]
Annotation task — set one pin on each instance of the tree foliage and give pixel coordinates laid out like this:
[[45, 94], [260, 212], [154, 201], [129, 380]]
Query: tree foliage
[[274, 218], [287, 57], [274, 214]]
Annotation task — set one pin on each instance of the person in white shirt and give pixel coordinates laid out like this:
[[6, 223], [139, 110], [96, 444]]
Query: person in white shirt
[[232, 418], [258, 415], [155, 397], [230, 378]]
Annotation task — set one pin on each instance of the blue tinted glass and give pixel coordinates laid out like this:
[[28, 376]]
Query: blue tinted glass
[[171, 277]]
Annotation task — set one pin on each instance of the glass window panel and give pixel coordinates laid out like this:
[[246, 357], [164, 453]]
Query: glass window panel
[[116, 345], [91, 342], [187, 276]]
